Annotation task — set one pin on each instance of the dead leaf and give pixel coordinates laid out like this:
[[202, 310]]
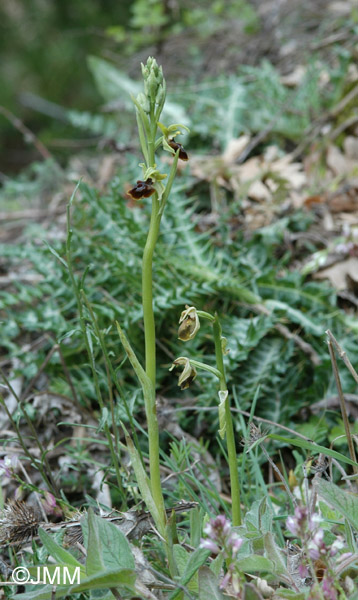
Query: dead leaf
[[344, 200], [340, 273], [350, 146], [294, 78], [336, 161], [259, 191], [341, 8], [312, 201], [343, 163], [234, 148]]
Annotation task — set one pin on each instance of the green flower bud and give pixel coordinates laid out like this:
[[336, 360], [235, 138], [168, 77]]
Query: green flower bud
[[152, 86], [143, 100], [160, 94], [189, 324], [187, 375]]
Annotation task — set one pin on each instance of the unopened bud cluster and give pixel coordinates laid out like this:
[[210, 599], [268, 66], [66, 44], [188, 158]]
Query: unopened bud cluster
[[154, 86]]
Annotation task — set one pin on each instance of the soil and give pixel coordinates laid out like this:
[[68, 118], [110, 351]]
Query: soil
[[288, 32]]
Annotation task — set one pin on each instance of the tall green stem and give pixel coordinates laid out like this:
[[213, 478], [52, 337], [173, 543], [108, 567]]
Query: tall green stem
[[149, 336], [149, 106], [230, 436], [147, 293], [150, 358]]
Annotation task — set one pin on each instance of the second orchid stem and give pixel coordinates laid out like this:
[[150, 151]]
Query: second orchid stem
[[230, 435]]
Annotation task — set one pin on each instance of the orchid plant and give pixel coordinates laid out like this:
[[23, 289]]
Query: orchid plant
[[157, 186]]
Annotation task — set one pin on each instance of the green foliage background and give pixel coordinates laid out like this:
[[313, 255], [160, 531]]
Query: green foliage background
[[44, 46], [87, 61]]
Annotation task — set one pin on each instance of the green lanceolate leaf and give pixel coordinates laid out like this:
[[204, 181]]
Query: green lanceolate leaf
[[275, 554], [181, 558], [314, 448], [195, 526], [111, 82], [196, 560], [140, 372], [107, 579], [143, 483], [44, 592], [55, 550], [346, 503], [255, 563], [290, 594], [208, 585], [115, 549], [94, 560], [53, 251]]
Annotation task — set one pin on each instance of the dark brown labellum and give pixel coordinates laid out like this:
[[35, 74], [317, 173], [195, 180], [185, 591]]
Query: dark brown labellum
[[143, 189], [182, 153]]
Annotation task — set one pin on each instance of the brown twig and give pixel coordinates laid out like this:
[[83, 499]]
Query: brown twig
[[47, 475], [340, 36], [32, 278], [68, 376], [36, 464], [286, 333], [245, 414], [343, 406], [314, 129], [304, 346], [279, 474], [39, 371], [343, 355], [26, 132], [35, 214], [353, 120]]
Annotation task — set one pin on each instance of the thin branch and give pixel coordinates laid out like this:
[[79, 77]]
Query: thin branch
[[26, 132], [42, 367], [343, 355], [279, 474], [241, 412], [286, 333], [35, 213], [343, 406]]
